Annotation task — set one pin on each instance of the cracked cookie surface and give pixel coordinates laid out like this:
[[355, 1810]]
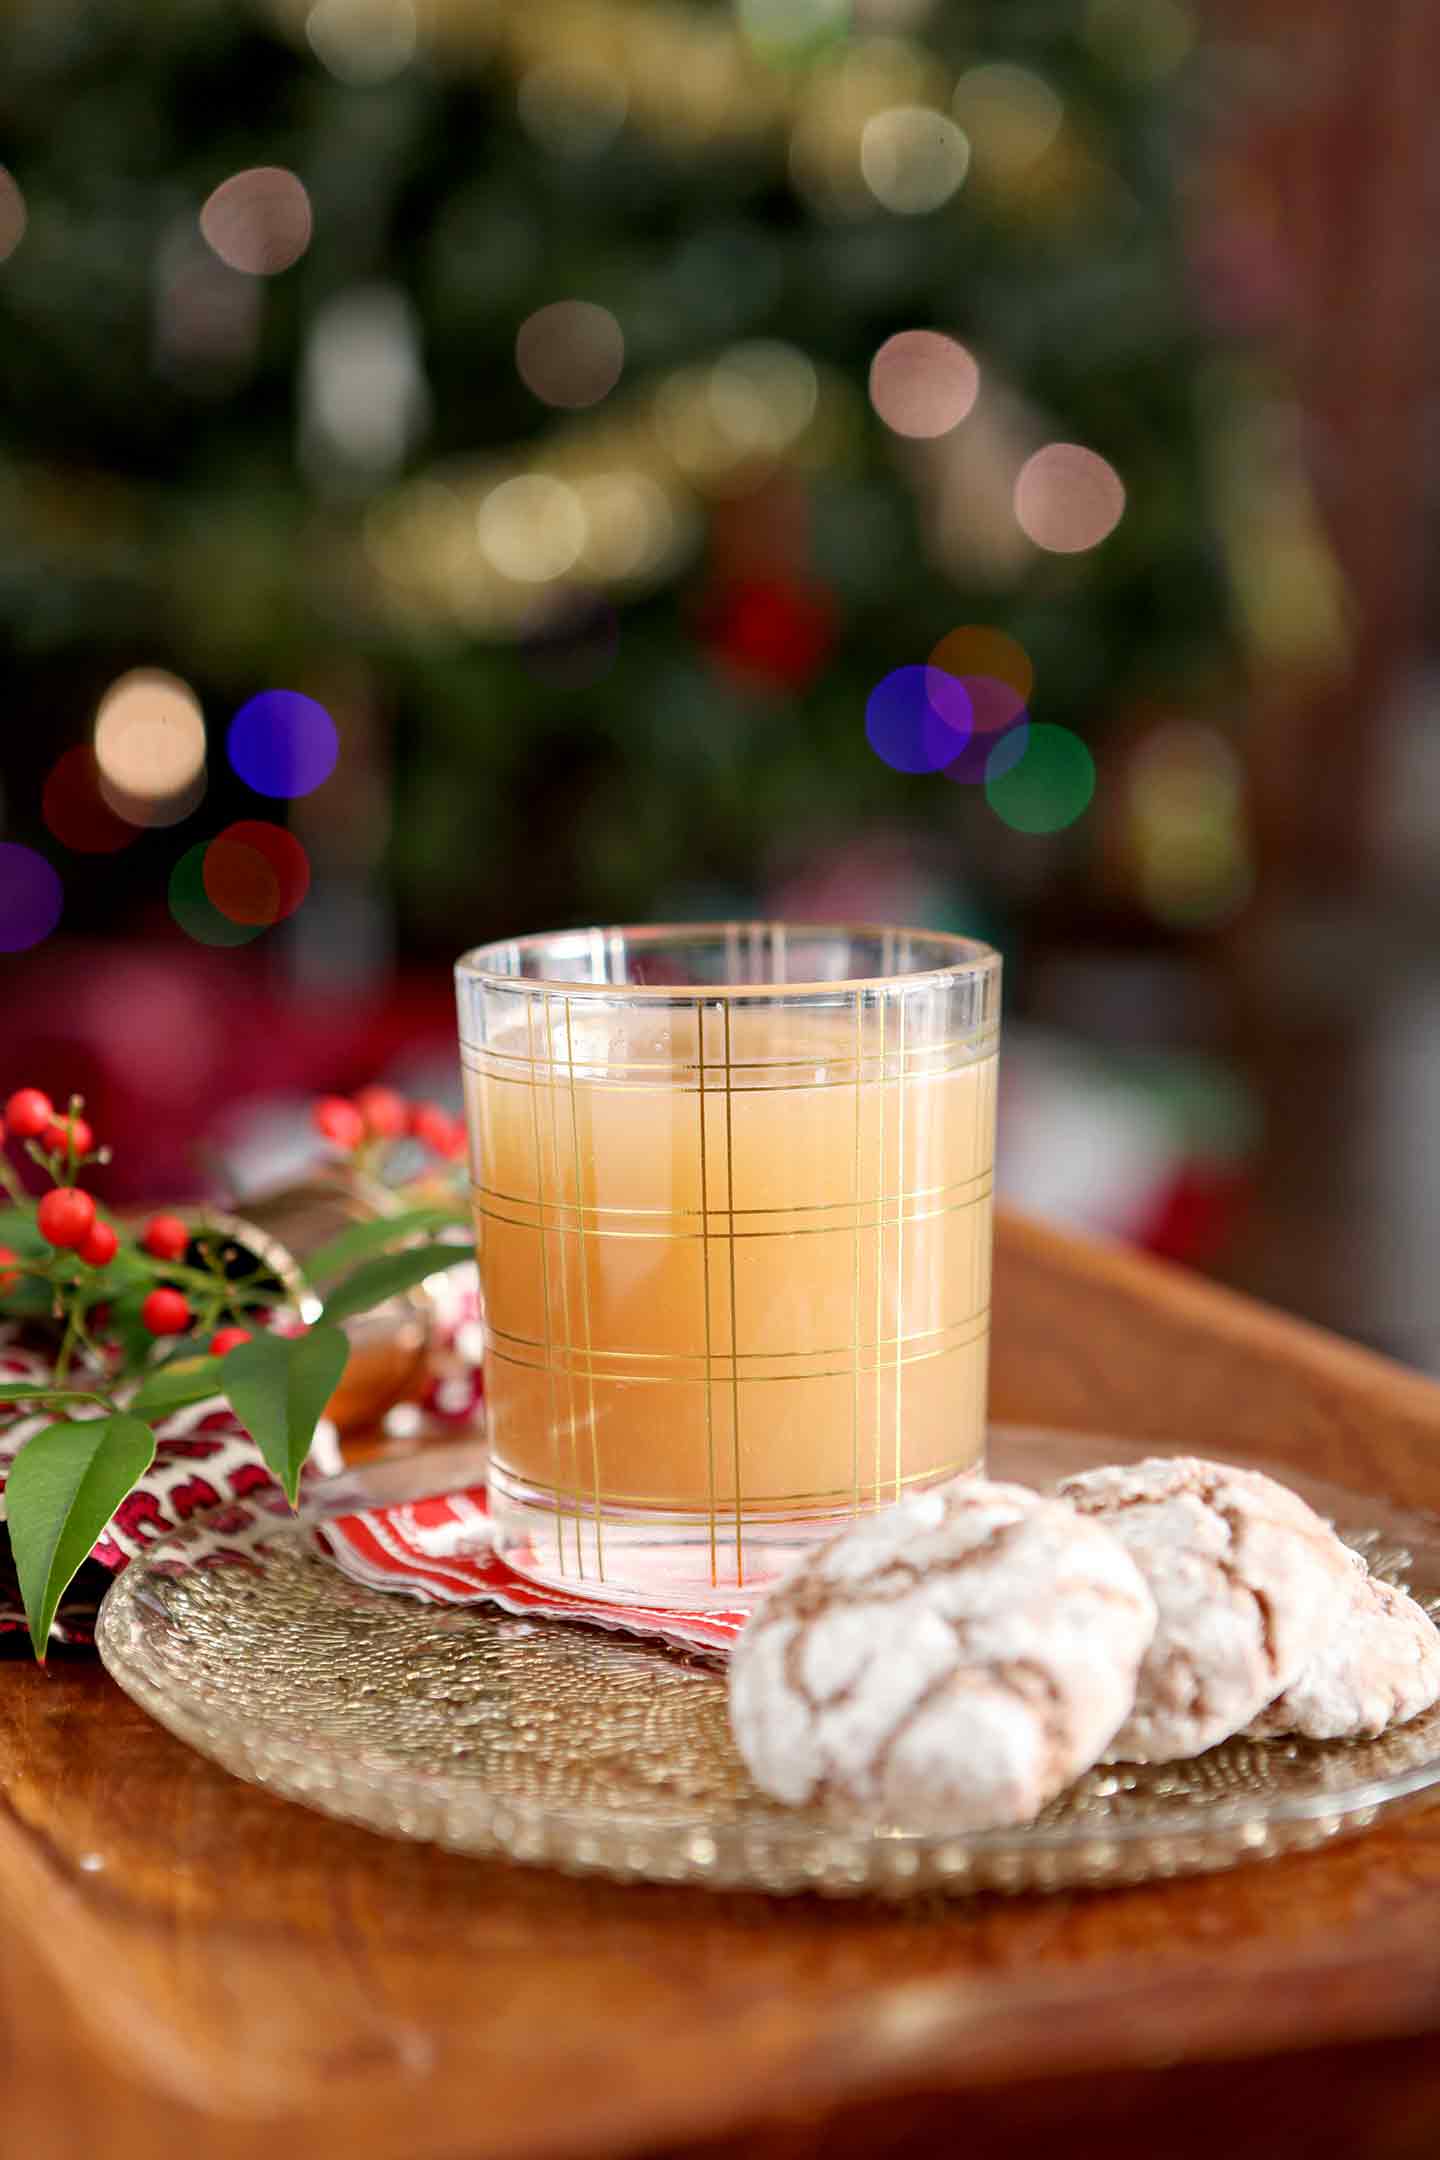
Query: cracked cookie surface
[[1380, 1667], [950, 1664], [1248, 1581]]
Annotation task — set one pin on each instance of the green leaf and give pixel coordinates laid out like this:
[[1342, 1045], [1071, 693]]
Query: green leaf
[[176, 1386], [375, 1280], [363, 1239], [20, 1231], [29, 1300], [26, 1391], [64, 1486], [278, 1386]]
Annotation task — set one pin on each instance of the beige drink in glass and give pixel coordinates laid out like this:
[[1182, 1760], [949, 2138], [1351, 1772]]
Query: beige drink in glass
[[732, 1196]]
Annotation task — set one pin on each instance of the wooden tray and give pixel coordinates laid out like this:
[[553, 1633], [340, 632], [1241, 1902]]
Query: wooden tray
[[193, 1966]]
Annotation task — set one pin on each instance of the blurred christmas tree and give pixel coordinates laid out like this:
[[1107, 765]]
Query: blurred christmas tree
[[536, 385]]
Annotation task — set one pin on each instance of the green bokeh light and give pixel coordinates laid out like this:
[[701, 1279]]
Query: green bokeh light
[[196, 912], [1051, 785], [793, 33]]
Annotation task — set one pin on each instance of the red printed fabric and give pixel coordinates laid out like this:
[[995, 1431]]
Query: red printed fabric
[[441, 1550], [203, 1457]]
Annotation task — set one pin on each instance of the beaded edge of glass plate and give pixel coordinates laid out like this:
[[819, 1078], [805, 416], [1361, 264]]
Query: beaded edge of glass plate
[[643, 1729]]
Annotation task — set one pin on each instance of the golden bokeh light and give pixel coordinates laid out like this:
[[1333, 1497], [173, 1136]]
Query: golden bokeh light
[[532, 528], [1011, 115], [150, 748], [574, 107], [570, 353], [763, 396], [629, 526], [1187, 825], [913, 159], [979, 649], [1068, 499], [14, 217], [258, 221], [363, 41], [875, 80], [923, 383], [1145, 40]]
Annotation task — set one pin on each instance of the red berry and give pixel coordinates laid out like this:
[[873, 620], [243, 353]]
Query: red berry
[[428, 1122], [228, 1339], [339, 1121], [28, 1113], [385, 1112], [166, 1238], [99, 1245], [65, 1132], [165, 1312], [9, 1276], [65, 1216]]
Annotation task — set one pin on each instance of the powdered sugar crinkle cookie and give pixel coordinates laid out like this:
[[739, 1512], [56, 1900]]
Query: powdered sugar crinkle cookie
[[1379, 1667], [1247, 1579], [949, 1664]]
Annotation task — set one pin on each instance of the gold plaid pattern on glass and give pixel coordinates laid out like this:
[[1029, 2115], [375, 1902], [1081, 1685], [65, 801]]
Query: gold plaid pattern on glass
[[734, 1243]]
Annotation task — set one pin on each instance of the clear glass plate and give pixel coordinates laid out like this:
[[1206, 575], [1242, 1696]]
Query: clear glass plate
[[568, 1747]]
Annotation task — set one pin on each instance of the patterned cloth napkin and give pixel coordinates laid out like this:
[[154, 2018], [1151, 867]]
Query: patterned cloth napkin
[[441, 1548], [204, 1457]]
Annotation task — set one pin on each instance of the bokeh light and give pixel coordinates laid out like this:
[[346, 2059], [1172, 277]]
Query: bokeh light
[[194, 910], [762, 396], [13, 215], [362, 41], [150, 748], [255, 873], [1011, 116], [790, 33], [980, 649], [629, 528], [1186, 825], [913, 159], [32, 897], [923, 383], [282, 743], [570, 353], [571, 643], [1143, 40], [76, 811], [1000, 732], [1050, 787], [1068, 499], [574, 107], [532, 528], [259, 221], [918, 719]]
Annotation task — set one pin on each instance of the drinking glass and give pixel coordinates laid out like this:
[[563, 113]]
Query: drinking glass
[[732, 1190]]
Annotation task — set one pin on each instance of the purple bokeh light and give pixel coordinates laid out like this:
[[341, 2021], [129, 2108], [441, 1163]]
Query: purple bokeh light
[[1000, 731], [918, 719], [283, 744], [32, 897]]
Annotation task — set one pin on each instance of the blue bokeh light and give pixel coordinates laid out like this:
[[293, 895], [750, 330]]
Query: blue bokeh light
[[283, 743], [918, 719]]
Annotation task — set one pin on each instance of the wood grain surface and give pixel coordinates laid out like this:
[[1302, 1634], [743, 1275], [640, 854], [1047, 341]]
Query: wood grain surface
[[189, 1965]]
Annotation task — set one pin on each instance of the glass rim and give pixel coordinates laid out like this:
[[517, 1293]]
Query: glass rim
[[973, 959]]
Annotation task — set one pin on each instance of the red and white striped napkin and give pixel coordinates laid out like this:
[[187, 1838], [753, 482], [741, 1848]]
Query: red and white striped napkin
[[441, 1548]]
